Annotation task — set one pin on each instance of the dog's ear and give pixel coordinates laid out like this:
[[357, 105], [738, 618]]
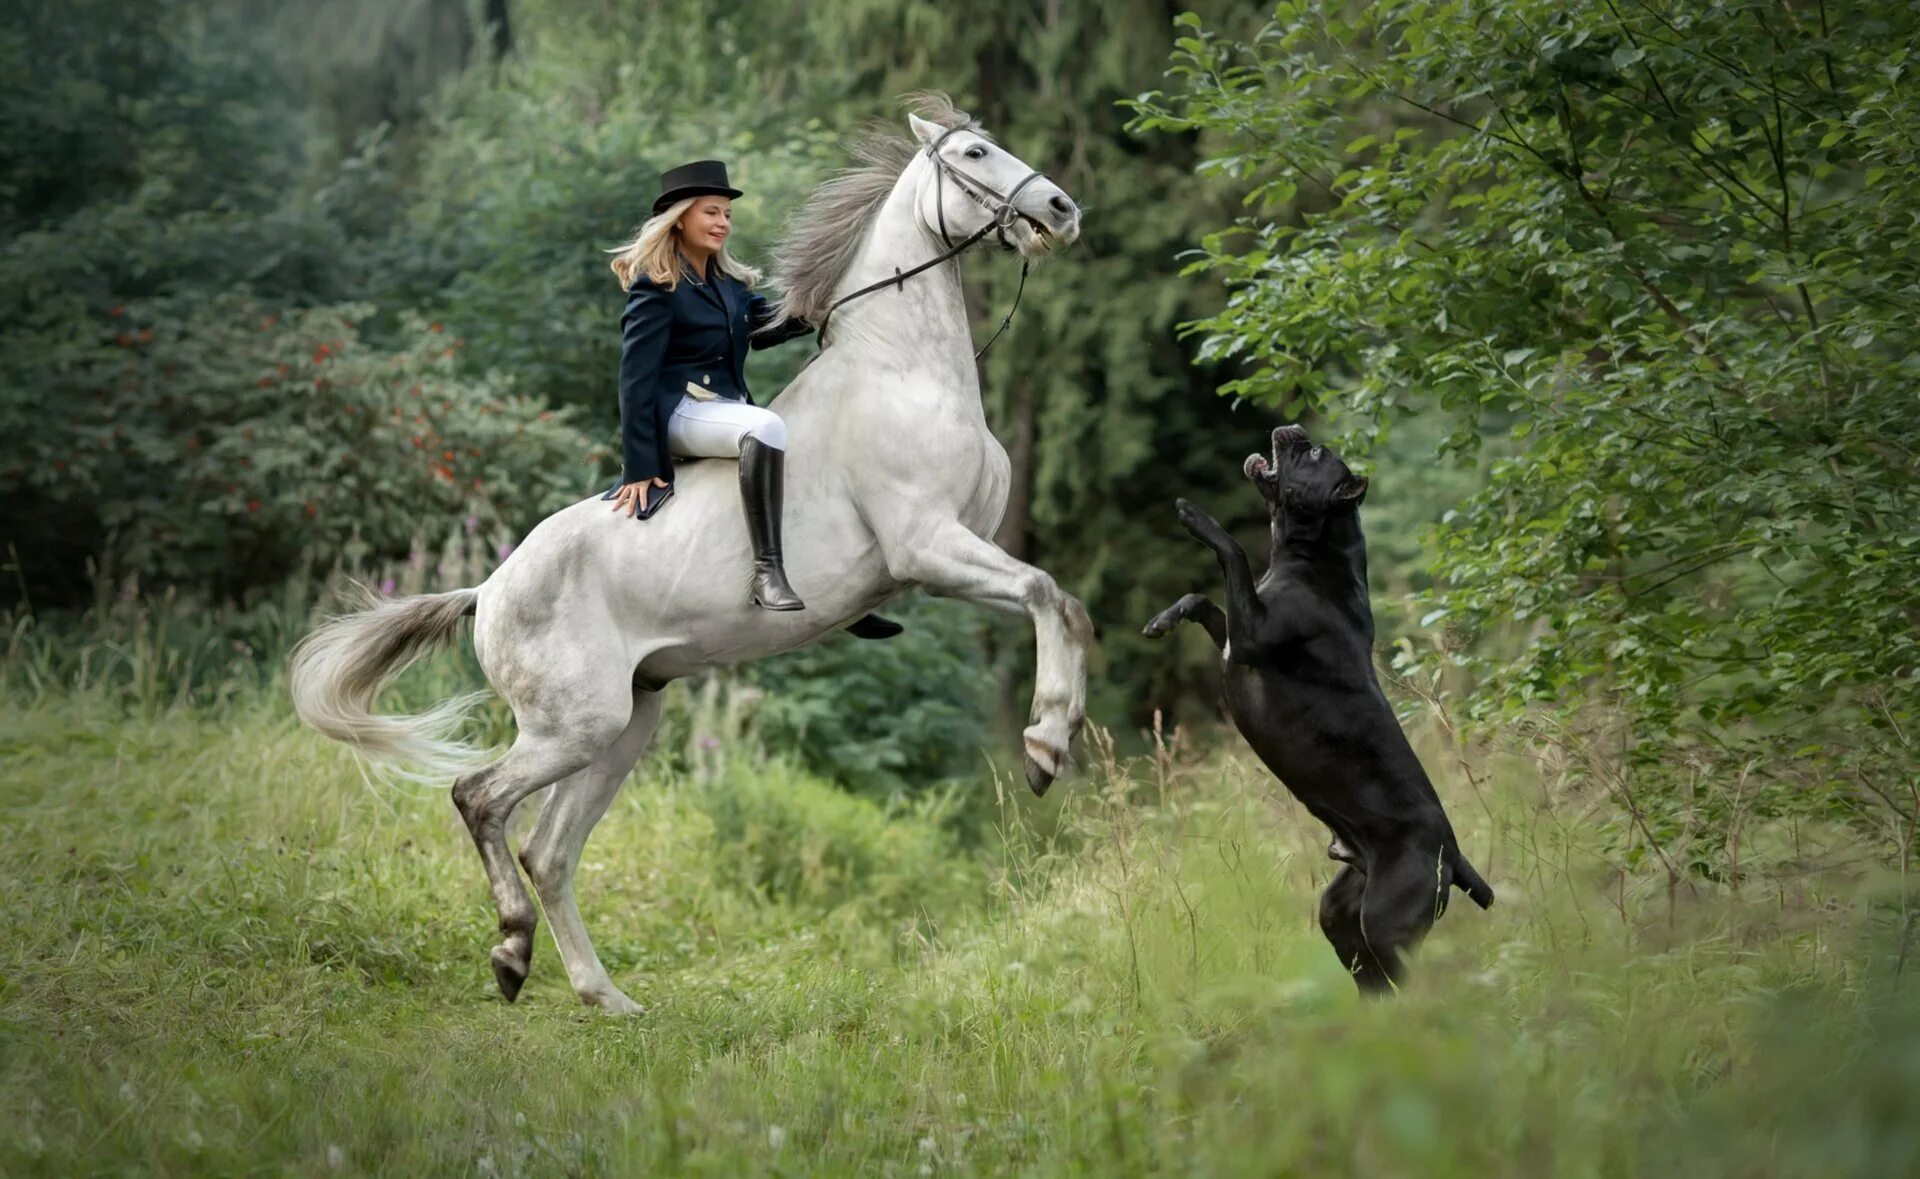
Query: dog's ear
[[1351, 492]]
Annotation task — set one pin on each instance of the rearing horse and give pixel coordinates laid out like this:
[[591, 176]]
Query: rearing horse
[[894, 482]]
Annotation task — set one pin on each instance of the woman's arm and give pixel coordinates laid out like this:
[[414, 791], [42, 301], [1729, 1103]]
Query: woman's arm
[[759, 314], [643, 345]]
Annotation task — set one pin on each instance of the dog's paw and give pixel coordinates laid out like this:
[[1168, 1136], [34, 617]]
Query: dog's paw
[[1192, 518], [1160, 625]]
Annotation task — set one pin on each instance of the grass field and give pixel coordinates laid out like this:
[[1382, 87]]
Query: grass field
[[226, 953]]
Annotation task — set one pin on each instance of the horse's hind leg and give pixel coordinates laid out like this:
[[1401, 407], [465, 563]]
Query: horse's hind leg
[[552, 853], [541, 755]]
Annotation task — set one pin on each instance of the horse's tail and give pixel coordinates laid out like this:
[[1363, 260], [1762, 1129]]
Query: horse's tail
[[336, 671], [1469, 882]]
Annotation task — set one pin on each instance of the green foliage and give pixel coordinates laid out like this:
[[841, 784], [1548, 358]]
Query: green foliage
[[884, 717], [787, 836], [1672, 251], [218, 442]]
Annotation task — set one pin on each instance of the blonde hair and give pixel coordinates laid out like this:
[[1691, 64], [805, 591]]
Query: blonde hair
[[655, 253]]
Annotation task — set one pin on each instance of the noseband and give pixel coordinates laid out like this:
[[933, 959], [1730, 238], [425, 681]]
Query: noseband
[[980, 193]]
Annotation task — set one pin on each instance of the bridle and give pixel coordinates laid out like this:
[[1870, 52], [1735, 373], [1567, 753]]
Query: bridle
[[1000, 205], [978, 191]]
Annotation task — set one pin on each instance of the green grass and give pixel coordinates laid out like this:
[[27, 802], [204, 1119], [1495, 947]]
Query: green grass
[[226, 953]]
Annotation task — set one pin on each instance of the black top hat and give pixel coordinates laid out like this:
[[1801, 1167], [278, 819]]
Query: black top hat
[[700, 178]]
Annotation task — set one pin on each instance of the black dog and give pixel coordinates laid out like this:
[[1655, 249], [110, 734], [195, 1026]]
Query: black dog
[[1297, 653]]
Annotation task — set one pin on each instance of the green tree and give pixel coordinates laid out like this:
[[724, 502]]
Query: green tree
[[1672, 248]]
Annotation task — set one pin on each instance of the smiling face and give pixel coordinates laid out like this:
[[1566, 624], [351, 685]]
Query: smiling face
[[704, 228], [969, 195], [1303, 484]]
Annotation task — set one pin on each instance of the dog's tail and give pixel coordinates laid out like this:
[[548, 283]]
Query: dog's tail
[[1469, 882]]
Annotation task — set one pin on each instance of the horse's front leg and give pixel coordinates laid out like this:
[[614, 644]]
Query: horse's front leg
[[953, 562]]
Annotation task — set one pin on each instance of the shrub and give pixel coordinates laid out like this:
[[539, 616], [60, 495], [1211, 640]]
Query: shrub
[[214, 441]]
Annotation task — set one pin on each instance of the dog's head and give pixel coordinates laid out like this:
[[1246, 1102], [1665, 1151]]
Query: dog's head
[[1304, 485]]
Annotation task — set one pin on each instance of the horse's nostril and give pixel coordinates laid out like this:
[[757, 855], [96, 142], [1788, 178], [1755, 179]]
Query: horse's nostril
[[1061, 205]]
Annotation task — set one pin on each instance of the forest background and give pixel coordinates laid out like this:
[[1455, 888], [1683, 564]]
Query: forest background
[[1619, 322]]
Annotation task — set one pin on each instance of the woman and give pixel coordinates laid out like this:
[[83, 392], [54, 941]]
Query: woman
[[689, 320]]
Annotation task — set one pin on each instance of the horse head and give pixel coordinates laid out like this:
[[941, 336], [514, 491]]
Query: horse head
[[975, 186]]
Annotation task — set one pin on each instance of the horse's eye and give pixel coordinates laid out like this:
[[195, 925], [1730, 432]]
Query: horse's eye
[[976, 152]]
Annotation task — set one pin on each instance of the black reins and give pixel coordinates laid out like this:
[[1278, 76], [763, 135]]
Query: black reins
[[1003, 216]]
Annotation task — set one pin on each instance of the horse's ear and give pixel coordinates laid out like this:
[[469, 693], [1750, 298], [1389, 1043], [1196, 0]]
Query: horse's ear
[[923, 130]]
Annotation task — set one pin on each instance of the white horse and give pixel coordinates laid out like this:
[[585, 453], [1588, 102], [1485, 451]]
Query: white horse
[[894, 482]]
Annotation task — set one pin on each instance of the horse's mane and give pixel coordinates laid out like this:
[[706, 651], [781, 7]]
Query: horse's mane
[[825, 233]]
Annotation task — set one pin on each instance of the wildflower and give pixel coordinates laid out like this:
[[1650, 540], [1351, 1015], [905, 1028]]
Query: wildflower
[[386, 585], [502, 551], [321, 353], [473, 523], [435, 328]]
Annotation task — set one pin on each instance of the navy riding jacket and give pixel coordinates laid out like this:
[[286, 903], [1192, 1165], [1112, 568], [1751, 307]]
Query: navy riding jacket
[[697, 333]]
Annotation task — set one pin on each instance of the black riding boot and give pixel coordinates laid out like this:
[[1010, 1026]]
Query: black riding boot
[[761, 474]]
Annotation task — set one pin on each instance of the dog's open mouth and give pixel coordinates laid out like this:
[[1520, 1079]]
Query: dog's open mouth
[[1257, 466]]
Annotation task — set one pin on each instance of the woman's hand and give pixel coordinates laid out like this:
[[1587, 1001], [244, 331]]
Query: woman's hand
[[632, 497]]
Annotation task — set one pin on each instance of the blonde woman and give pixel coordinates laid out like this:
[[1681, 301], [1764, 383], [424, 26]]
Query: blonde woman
[[690, 317]]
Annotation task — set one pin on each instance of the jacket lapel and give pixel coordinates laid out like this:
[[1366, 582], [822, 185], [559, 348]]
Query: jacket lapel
[[705, 287]]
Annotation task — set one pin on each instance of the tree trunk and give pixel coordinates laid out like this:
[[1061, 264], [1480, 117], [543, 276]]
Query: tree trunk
[[500, 28]]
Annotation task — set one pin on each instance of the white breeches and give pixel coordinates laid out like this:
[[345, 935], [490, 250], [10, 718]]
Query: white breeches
[[715, 429]]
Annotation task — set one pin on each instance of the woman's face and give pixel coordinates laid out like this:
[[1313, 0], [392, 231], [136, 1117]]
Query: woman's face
[[704, 227]]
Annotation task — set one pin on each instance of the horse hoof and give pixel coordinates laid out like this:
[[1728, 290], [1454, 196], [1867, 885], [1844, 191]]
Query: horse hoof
[[1038, 777], [509, 972], [613, 1003]]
